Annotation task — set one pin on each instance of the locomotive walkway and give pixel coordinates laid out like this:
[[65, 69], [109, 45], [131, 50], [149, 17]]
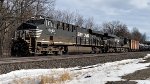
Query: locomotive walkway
[[64, 61]]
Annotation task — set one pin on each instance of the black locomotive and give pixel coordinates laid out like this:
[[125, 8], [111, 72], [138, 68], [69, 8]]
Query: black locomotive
[[45, 36]]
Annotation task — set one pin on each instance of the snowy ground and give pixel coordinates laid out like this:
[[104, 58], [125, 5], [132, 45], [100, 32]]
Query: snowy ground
[[95, 74]]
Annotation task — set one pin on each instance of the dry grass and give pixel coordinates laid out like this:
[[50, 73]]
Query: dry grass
[[65, 76], [23, 81], [52, 78], [47, 79], [59, 80]]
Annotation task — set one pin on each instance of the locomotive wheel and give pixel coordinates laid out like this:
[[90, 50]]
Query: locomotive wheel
[[65, 50], [93, 50], [55, 52], [100, 51], [20, 48], [126, 50]]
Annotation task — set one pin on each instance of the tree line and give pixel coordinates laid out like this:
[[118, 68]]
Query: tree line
[[14, 12]]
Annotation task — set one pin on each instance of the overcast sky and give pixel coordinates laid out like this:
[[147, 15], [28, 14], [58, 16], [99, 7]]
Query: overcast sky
[[134, 13]]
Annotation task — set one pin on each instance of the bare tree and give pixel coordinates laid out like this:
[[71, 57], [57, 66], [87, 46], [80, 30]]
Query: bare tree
[[122, 31], [68, 17], [63, 16], [79, 20], [12, 14], [44, 7], [143, 38], [57, 15], [89, 23], [136, 35], [98, 27], [109, 27], [116, 28]]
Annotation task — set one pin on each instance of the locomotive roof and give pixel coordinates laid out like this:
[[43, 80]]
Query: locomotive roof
[[25, 26], [109, 35], [33, 23], [104, 34], [36, 22], [112, 36], [97, 33]]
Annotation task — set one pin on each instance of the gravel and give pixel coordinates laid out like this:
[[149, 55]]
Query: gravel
[[65, 62]]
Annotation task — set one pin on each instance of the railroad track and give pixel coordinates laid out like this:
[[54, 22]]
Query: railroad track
[[40, 58], [64, 61]]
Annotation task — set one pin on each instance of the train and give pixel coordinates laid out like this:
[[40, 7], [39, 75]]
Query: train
[[44, 36]]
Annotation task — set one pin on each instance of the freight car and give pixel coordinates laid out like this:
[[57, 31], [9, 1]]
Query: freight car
[[45, 36]]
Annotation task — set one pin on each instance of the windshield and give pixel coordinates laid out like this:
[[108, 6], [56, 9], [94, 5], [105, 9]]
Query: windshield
[[37, 22]]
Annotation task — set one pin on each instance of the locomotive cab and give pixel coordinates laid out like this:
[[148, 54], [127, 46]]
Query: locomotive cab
[[38, 34], [26, 34]]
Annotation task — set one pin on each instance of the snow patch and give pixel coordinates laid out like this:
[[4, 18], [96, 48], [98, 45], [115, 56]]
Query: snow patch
[[148, 56], [143, 81], [109, 72], [95, 74]]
